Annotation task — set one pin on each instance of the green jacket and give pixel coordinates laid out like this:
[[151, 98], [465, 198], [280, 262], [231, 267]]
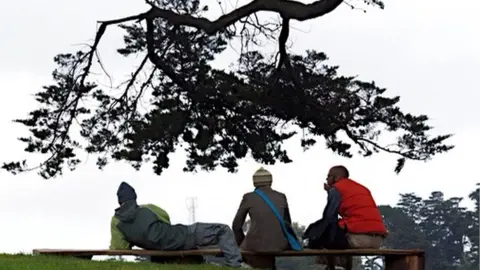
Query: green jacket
[[118, 241]]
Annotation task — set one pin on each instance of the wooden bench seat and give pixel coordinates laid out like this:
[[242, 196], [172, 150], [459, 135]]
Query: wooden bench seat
[[394, 259]]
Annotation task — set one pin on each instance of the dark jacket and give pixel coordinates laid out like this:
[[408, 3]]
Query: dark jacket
[[325, 233], [143, 228], [330, 217], [265, 232]]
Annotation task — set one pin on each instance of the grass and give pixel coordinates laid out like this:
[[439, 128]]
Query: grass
[[24, 262]]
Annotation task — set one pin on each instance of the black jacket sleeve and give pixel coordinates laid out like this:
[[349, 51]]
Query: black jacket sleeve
[[330, 216], [330, 213]]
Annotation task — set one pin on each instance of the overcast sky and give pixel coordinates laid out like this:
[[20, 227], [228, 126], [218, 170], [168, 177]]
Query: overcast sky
[[426, 51]]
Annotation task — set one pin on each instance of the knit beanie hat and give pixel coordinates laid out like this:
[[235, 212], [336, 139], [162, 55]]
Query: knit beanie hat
[[262, 177]]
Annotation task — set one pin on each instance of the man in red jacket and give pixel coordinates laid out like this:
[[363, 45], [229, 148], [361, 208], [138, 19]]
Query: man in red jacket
[[360, 225]]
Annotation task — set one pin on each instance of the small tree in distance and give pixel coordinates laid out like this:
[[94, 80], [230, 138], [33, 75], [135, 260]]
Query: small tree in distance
[[217, 116]]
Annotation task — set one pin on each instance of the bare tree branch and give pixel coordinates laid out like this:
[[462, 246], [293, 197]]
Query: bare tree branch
[[288, 9], [282, 41]]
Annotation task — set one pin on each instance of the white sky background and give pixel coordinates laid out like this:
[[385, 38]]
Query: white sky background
[[426, 51]]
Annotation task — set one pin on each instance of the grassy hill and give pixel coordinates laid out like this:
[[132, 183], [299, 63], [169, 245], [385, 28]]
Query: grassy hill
[[24, 262]]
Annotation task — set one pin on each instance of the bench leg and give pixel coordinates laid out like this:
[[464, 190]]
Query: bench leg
[[260, 262], [416, 262], [330, 263], [333, 262], [349, 263]]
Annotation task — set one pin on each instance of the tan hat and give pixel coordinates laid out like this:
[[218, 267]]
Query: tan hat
[[262, 177]]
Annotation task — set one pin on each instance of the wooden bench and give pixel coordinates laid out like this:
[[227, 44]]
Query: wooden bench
[[394, 259]]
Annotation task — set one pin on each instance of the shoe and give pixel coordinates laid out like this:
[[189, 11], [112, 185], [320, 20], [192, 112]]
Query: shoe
[[245, 266]]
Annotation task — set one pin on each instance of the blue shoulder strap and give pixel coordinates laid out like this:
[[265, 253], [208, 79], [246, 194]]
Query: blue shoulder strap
[[292, 240]]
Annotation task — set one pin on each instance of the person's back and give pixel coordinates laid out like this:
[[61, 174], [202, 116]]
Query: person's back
[[146, 226], [265, 232], [142, 227], [358, 209]]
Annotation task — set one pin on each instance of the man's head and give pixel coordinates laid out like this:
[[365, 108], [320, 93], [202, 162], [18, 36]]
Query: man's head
[[336, 173], [262, 177], [125, 193]]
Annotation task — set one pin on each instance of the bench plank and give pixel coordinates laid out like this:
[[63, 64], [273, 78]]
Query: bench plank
[[183, 253]]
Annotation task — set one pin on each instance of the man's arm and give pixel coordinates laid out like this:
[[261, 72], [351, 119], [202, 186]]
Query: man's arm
[[161, 214], [239, 220], [330, 213], [117, 241]]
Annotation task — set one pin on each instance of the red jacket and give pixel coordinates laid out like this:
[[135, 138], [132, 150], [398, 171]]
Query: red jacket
[[358, 209]]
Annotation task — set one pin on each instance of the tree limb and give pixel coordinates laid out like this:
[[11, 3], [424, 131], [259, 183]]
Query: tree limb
[[287, 9], [282, 41]]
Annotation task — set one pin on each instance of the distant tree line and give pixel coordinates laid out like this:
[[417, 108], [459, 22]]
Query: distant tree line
[[448, 232]]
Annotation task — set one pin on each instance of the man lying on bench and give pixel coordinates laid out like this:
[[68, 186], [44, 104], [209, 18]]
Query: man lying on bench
[[149, 227]]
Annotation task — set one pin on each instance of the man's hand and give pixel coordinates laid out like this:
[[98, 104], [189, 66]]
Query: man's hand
[[326, 187], [305, 243]]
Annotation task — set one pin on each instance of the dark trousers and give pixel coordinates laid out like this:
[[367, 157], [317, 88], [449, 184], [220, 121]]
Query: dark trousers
[[215, 234], [330, 236], [334, 237], [326, 235]]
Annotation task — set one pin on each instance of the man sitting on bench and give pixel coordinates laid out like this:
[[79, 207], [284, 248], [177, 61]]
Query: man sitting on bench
[[361, 224], [266, 233], [149, 227]]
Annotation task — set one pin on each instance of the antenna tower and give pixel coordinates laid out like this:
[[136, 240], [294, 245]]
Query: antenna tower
[[192, 209]]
